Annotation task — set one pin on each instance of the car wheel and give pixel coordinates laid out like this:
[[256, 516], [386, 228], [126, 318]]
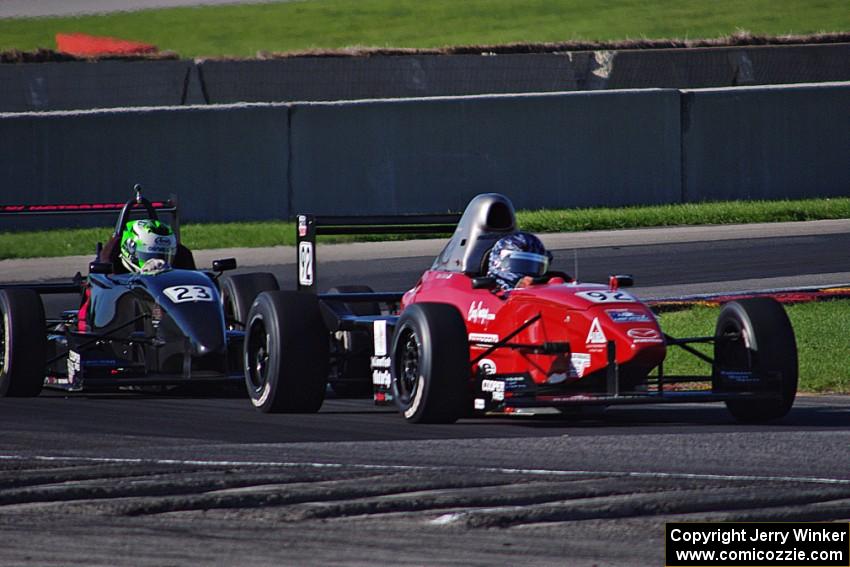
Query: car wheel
[[764, 349], [430, 363], [239, 291], [351, 377], [23, 343], [286, 353]]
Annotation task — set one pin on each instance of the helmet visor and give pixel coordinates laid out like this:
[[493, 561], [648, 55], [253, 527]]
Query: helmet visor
[[527, 263], [165, 254]]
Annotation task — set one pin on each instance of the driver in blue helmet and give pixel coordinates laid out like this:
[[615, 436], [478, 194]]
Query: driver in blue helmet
[[516, 259]]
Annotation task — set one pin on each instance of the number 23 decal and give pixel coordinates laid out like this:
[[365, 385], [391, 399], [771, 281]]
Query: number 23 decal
[[606, 296], [183, 293]]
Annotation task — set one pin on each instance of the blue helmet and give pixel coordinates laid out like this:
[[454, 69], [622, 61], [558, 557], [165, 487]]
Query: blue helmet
[[515, 256]]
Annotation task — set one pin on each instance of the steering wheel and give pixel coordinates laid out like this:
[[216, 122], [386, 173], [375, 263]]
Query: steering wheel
[[137, 200]]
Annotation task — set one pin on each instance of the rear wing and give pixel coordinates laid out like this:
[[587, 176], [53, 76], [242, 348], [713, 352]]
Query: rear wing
[[310, 226], [168, 206]]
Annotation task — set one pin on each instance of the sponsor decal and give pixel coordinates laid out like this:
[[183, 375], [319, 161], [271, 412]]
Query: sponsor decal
[[579, 363], [512, 382], [100, 362], [738, 376], [487, 366], [479, 313], [305, 263], [644, 335], [381, 378], [487, 338], [496, 389], [596, 336], [606, 296], [379, 332], [74, 365], [302, 226], [163, 240], [628, 316], [480, 403], [156, 315], [380, 362], [444, 275], [184, 293]]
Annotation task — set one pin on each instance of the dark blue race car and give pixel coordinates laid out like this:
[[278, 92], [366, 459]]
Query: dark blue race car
[[177, 325]]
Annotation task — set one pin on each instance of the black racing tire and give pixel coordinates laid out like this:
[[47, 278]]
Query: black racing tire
[[430, 364], [23, 343], [354, 375], [286, 353], [767, 349], [238, 293]]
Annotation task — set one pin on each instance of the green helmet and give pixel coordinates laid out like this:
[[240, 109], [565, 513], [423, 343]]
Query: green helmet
[[147, 246]]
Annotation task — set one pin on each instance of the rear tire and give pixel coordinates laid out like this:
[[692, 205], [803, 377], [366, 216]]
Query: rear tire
[[286, 353], [239, 291], [430, 364], [766, 349], [23, 343], [352, 377]]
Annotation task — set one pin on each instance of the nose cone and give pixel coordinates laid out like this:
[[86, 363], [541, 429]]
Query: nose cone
[[192, 301], [206, 334]]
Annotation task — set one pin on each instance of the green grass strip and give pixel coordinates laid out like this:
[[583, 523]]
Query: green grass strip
[[298, 25], [727, 212], [822, 343], [65, 242]]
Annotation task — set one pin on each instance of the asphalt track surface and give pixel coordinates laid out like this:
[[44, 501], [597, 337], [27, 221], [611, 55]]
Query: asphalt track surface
[[135, 479]]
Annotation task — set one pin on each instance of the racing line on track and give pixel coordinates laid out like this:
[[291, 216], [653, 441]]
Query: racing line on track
[[517, 471]]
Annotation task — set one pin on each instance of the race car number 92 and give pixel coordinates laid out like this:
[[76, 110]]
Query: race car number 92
[[183, 293], [606, 296]]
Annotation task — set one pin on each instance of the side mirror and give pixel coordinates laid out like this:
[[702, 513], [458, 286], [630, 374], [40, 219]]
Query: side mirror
[[619, 281], [224, 264], [100, 267]]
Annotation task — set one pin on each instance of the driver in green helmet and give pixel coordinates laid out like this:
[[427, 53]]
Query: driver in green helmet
[[147, 246]]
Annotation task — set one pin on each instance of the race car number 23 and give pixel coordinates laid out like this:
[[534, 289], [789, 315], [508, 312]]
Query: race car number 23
[[183, 293], [608, 296]]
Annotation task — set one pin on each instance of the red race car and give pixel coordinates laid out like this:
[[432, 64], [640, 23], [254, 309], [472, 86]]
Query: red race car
[[464, 342]]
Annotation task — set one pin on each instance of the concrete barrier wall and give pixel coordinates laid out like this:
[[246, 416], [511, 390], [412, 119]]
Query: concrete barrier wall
[[766, 142], [354, 78], [564, 150], [727, 66], [269, 161], [104, 84], [223, 163], [109, 84]]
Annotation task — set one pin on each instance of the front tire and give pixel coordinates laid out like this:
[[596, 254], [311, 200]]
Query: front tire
[[23, 343], [238, 293], [286, 353], [430, 364], [765, 349]]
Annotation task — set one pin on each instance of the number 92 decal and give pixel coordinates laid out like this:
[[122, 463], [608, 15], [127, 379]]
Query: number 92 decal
[[183, 293], [607, 296]]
